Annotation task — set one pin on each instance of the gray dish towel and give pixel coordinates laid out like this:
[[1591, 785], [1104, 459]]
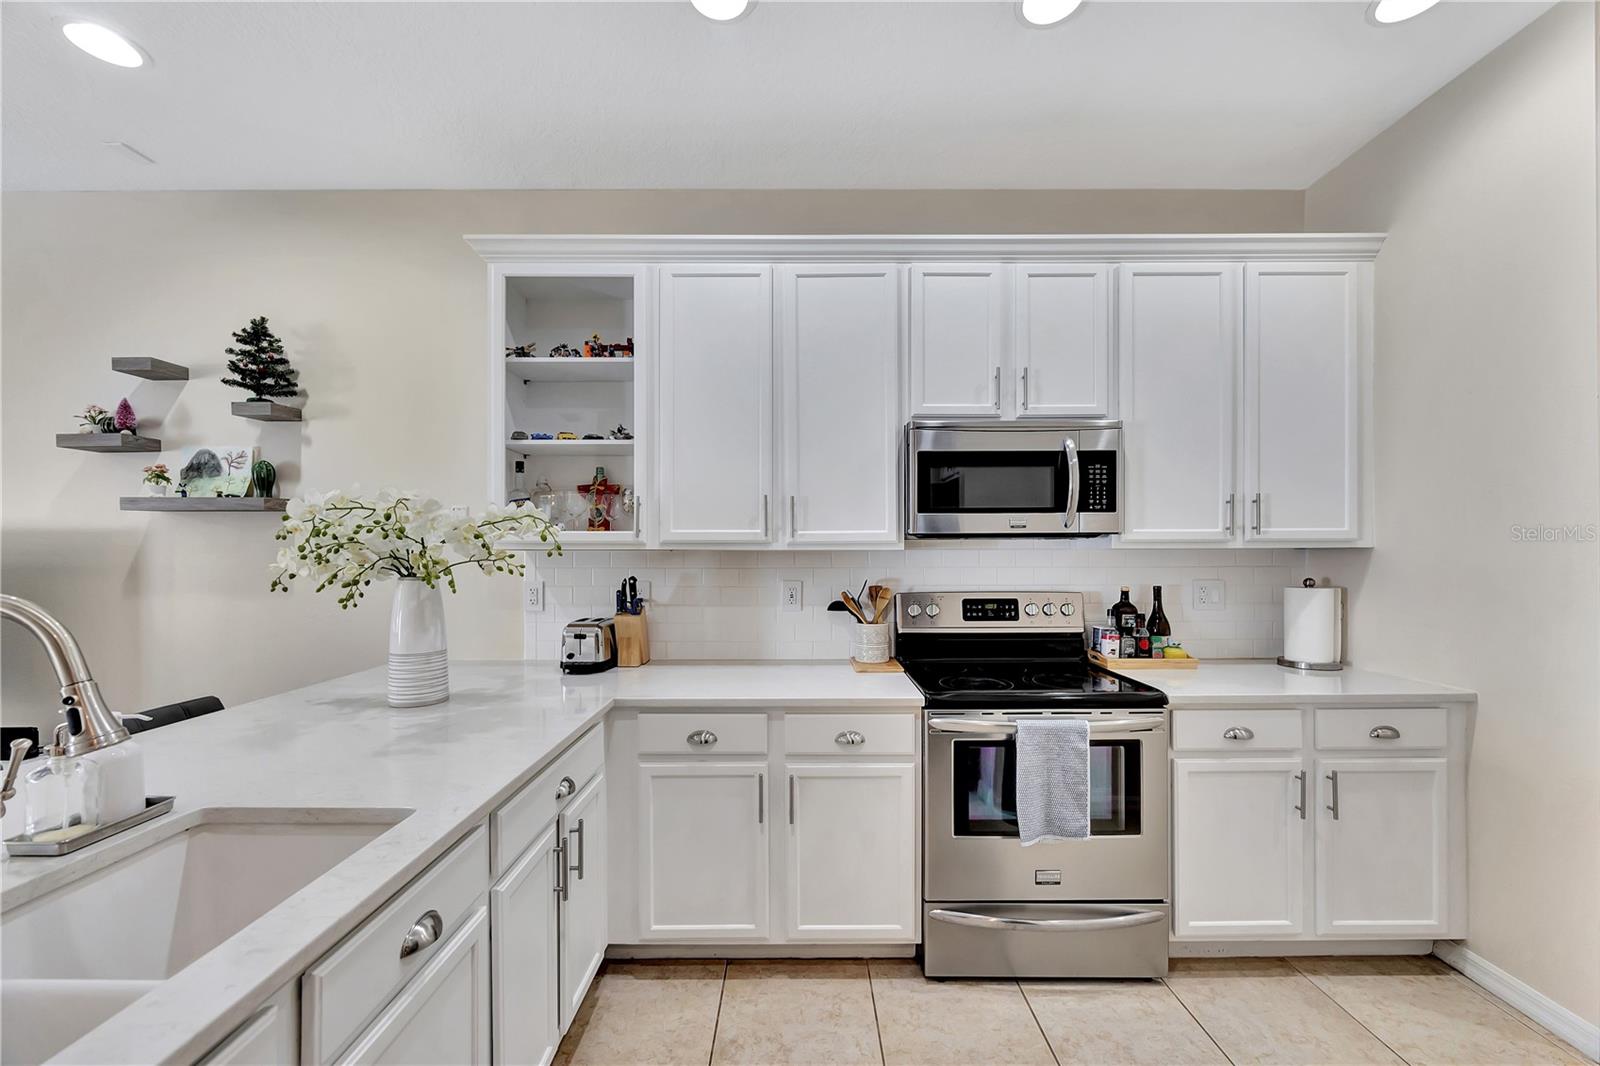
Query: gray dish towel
[[1052, 780]]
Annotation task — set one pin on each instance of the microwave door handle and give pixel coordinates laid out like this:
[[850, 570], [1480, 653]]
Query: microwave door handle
[[1070, 447]]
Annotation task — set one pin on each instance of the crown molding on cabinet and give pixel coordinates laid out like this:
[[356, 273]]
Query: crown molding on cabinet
[[578, 248]]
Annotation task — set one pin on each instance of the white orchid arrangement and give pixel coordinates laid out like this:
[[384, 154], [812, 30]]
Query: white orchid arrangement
[[347, 541]]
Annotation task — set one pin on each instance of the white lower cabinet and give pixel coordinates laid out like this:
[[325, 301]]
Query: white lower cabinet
[[1238, 847], [442, 1015], [583, 896], [524, 932], [703, 851], [1382, 839], [272, 1035], [852, 872]]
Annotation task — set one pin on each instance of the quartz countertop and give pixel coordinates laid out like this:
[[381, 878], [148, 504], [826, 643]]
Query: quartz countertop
[[338, 745]]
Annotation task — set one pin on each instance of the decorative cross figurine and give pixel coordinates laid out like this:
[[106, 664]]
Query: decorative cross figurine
[[600, 491]]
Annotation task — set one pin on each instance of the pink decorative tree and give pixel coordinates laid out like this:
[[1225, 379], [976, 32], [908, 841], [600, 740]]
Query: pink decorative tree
[[124, 418]]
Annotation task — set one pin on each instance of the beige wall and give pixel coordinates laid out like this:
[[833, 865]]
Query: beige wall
[[382, 306], [1486, 420]]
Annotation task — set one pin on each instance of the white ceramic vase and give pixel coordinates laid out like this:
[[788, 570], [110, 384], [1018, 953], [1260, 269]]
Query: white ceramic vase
[[151, 489], [419, 668]]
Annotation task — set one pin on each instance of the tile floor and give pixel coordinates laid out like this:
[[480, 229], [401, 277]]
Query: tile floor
[[1300, 1011]]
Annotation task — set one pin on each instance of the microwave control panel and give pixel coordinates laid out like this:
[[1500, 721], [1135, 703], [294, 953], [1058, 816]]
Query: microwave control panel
[[1097, 485]]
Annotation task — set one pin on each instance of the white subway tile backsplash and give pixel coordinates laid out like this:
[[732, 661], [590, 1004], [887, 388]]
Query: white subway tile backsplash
[[708, 604]]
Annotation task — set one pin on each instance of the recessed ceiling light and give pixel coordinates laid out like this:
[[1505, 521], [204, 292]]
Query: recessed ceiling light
[[1388, 12], [104, 44], [1046, 12], [722, 10]]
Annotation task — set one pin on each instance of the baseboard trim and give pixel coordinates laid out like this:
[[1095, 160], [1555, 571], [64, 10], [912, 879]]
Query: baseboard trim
[[1209, 949], [761, 951], [1530, 1001]]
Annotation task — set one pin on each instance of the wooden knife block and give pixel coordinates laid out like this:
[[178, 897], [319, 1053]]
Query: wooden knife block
[[633, 639]]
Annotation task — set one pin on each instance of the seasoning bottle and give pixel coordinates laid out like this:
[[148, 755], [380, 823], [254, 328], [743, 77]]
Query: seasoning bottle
[[1141, 638], [1130, 643]]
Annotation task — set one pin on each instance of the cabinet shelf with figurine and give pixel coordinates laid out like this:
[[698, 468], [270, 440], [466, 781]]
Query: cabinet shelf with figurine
[[568, 397]]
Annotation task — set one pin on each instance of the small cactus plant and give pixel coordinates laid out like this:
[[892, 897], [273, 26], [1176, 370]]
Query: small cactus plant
[[263, 478]]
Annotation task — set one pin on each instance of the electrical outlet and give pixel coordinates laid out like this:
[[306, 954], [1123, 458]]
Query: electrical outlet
[[533, 595], [1209, 594], [789, 595]]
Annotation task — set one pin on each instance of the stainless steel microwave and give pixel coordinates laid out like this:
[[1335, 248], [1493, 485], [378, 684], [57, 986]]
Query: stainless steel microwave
[[1019, 479]]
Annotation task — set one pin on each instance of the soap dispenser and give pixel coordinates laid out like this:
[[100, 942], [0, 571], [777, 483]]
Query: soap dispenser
[[62, 794]]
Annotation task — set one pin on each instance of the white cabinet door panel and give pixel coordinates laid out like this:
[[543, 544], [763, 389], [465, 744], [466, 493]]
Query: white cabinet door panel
[[703, 851], [852, 852], [583, 911], [1238, 847], [1302, 401], [716, 403], [841, 376], [1178, 341], [958, 332], [1062, 339], [1381, 859], [523, 956]]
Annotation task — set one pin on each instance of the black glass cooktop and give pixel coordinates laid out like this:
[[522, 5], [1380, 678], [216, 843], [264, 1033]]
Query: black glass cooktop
[[987, 683]]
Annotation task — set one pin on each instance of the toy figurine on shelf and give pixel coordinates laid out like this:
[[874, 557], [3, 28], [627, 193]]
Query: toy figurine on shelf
[[601, 493], [540, 436], [564, 351], [593, 436], [565, 435], [621, 433], [521, 351], [624, 351]]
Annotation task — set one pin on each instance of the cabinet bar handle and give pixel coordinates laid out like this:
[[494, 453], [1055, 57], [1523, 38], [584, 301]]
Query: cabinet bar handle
[[1384, 732], [791, 799], [997, 388], [1255, 525], [793, 525], [560, 853], [1024, 388], [761, 799], [1230, 514], [1301, 806], [583, 849], [1238, 732], [1333, 776], [766, 515]]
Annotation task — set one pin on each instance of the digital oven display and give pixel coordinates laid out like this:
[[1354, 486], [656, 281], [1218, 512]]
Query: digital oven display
[[989, 610]]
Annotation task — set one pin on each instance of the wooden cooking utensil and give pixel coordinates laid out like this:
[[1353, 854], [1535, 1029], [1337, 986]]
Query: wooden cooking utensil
[[854, 607], [882, 596]]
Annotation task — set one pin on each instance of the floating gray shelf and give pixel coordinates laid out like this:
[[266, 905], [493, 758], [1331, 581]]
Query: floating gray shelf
[[204, 503], [266, 411], [107, 442], [149, 369]]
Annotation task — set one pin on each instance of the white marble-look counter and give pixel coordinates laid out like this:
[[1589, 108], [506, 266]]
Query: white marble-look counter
[[1261, 683], [339, 745]]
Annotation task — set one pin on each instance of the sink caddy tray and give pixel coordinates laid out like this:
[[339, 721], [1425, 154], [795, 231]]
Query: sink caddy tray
[[22, 846]]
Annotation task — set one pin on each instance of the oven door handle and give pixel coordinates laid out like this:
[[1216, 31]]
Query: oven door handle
[[1005, 728], [1070, 447], [1105, 918]]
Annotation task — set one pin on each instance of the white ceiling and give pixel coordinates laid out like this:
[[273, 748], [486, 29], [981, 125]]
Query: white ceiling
[[651, 95]]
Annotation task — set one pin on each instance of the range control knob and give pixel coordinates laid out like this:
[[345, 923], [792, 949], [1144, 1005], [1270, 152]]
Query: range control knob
[[1033, 609], [913, 609], [1068, 610], [1049, 609], [933, 610]]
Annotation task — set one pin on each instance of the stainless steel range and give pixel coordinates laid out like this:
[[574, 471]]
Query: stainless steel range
[[992, 908]]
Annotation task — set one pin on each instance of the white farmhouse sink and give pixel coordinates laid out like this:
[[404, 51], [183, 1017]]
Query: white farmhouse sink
[[82, 953]]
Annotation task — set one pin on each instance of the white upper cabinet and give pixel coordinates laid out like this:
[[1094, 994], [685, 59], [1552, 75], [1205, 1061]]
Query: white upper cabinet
[[1061, 339], [958, 329], [715, 403], [1178, 349], [1302, 401], [841, 403]]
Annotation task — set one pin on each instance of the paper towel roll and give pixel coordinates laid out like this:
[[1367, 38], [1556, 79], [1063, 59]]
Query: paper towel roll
[[1313, 623]]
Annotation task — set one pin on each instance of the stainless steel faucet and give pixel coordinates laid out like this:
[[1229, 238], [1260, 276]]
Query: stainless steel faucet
[[98, 725]]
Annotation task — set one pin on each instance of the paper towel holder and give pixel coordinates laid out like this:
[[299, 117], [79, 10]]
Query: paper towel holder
[[1294, 664]]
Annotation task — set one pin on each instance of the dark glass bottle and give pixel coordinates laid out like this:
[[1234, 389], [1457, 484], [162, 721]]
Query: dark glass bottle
[[1124, 612], [1159, 626]]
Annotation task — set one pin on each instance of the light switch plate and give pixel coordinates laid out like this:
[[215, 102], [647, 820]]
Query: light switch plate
[[1210, 594]]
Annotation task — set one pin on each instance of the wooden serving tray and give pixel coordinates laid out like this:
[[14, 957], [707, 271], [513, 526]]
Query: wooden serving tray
[[1143, 664], [891, 667]]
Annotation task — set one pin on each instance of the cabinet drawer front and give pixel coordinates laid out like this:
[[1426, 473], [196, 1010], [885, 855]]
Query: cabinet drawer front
[[520, 820], [850, 734], [350, 984], [1382, 728], [1277, 729], [724, 734]]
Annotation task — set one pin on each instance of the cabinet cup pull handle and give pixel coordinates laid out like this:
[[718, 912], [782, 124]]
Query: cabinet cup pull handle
[[424, 933], [1238, 732], [850, 736], [702, 737], [1384, 732], [565, 788], [1301, 806], [1333, 778]]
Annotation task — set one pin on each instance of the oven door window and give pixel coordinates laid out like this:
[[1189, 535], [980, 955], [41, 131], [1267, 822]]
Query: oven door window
[[985, 792], [1022, 482]]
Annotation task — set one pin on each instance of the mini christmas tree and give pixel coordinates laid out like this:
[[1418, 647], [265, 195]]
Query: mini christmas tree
[[258, 365], [124, 419]]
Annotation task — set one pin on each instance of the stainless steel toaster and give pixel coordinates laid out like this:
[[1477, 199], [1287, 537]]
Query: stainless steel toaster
[[588, 646]]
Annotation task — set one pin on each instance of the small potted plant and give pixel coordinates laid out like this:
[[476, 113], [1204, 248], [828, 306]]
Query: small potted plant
[[96, 419], [157, 480]]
